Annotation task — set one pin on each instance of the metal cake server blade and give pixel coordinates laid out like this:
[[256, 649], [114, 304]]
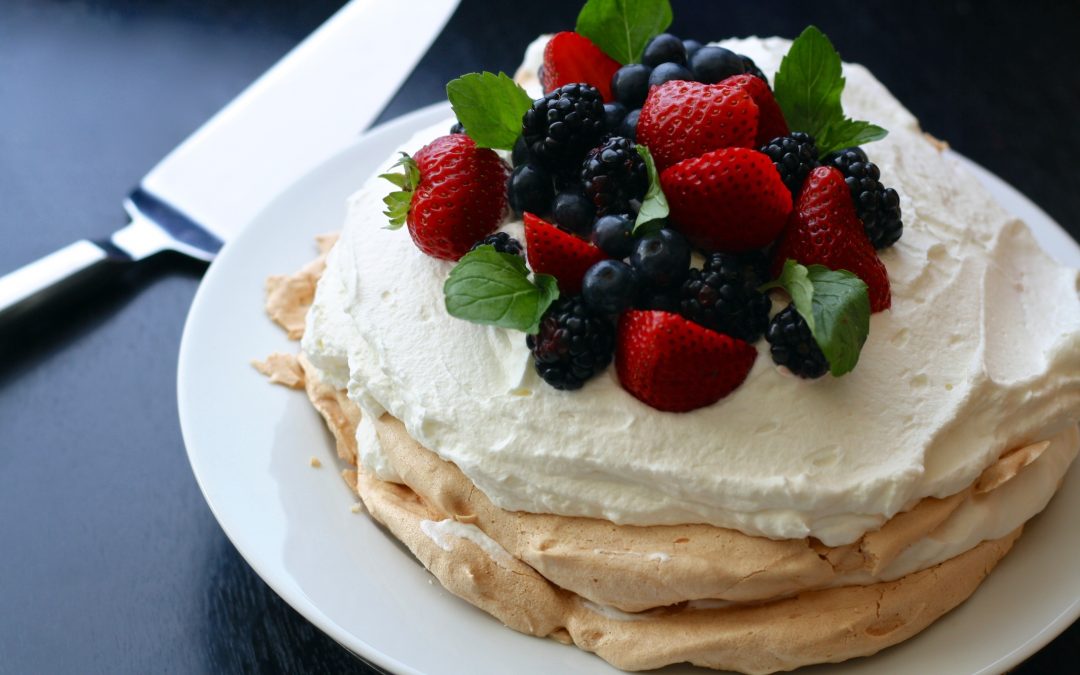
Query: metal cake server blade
[[316, 99]]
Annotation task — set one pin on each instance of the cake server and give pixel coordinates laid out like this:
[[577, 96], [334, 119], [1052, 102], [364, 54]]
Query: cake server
[[317, 98]]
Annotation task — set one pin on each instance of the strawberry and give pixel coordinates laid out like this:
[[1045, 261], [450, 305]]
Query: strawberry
[[560, 254], [681, 119], [570, 57], [824, 230], [673, 364], [452, 195], [730, 200], [771, 121]]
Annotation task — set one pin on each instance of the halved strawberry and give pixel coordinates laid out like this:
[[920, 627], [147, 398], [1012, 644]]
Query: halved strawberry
[[451, 194], [771, 121], [824, 230], [731, 199], [673, 364], [680, 120], [570, 57], [560, 254]]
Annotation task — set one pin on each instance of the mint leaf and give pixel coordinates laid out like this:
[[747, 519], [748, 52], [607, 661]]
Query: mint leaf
[[808, 88], [399, 201], [622, 28], [490, 107], [836, 307], [492, 288], [654, 207]]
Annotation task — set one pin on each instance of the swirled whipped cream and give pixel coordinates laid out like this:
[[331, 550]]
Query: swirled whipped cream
[[979, 354]]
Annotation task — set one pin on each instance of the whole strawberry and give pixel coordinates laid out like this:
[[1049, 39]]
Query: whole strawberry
[[824, 230], [729, 200], [673, 364], [550, 250], [771, 121], [452, 195], [570, 57], [680, 120]]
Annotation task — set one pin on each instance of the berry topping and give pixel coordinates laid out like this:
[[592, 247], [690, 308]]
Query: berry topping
[[520, 153], [691, 47], [824, 230], [723, 295], [610, 287], [560, 254], [615, 177], [614, 114], [664, 48], [793, 156], [457, 128], [793, 347], [876, 206], [675, 365], [668, 72], [614, 235], [628, 128], [681, 120], [661, 299], [563, 125], [573, 211], [530, 189], [573, 344], [451, 194], [770, 118], [570, 57], [630, 84], [662, 259], [727, 200], [752, 69], [502, 242], [713, 64]]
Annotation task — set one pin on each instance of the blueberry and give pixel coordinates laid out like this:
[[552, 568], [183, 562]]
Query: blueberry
[[663, 299], [609, 287], [712, 64], [666, 72], [628, 128], [691, 47], [531, 189], [573, 211], [664, 48], [458, 128], [520, 154], [612, 234], [630, 84], [613, 115], [662, 259]]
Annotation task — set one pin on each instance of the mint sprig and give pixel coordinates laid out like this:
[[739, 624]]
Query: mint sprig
[[622, 28], [492, 288], [654, 207], [808, 88], [490, 107], [399, 201], [836, 307]]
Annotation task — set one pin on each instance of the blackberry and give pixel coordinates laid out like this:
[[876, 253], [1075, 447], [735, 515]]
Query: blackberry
[[793, 156], [615, 177], [723, 295], [792, 345], [877, 206], [502, 242], [572, 345], [561, 127]]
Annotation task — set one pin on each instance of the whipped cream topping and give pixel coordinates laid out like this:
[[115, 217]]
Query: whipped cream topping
[[979, 354], [445, 532]]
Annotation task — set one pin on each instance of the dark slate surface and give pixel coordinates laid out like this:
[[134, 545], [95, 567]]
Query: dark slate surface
[[109, 559]]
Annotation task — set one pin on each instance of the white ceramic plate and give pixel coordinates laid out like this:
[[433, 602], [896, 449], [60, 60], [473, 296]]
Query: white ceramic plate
[[250, 444]]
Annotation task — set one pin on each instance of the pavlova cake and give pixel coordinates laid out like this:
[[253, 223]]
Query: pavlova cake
[[662, 369]]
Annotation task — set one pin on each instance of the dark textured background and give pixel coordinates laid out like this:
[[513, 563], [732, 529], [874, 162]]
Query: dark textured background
[[109, 559]]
